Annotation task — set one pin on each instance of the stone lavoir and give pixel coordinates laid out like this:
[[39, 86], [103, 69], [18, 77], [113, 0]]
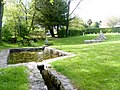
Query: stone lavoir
[[42, 75]]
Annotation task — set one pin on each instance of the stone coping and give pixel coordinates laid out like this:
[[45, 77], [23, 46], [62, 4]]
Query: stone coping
[[26, 49]]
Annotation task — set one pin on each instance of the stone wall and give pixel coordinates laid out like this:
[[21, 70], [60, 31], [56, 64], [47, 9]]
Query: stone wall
[[60, 81], [55, 80]]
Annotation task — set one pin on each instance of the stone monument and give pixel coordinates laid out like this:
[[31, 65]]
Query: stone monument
[[100, 38]]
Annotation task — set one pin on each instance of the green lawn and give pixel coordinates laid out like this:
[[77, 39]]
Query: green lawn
[[5, 45], [96, 66], [14, 78]]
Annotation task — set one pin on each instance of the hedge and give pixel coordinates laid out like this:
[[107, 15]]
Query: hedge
[[62, 33], [92, 31], [88, 31], [116, 29]]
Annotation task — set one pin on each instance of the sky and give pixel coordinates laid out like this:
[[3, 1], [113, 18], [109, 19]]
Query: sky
[[96, 9]]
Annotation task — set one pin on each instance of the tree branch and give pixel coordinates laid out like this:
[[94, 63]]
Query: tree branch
[[75, 7]]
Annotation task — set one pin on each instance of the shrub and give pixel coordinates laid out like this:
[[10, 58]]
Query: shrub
[[97, 30], [61, 33], [116, 29], [6, 34], [75, 32]]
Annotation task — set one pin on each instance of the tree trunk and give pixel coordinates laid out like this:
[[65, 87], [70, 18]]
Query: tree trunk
[[26, 18], [32, 22], [51, 31], [1, 14], [58, 30], [67, 23]]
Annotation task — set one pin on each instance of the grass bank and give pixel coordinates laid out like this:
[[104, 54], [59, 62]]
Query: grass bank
[[96, 66]]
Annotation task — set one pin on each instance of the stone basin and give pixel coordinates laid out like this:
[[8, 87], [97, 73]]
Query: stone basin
[[35, 76]]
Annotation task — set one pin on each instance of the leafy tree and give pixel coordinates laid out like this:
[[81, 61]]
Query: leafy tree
[[77, 24], [18, 17], [89, 22], [97, 24], [13, 17], [113, 21], [69, 14]]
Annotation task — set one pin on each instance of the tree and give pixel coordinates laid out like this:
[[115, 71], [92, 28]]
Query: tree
[[51, 14], [14, 17], [97, 24], [77, 24], [67, 23], [113, 21], [69, 14], [89, 22], [18, 19], [1, 15]]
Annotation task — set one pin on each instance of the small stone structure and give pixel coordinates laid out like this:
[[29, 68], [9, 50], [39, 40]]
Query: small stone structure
[[36, 80], [100, 38]]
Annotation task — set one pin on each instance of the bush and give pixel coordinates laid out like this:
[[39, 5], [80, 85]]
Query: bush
[[88, 31], [97, 30], [74, 32], [116, 29], [6, 34], [61, 33]]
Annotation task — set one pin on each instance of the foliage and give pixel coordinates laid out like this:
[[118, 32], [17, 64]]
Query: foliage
[[62, 32], [17, 18], [97, 24], [116, 29], [51, 15], [104, 30], [97, 30], [14, 78], [89, 22], [77, 24], [95, 66], [113, 21], [6, 34], [72, 32]]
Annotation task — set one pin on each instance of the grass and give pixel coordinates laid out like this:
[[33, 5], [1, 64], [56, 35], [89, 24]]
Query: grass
[[14, 78], [96, 66], [5, 45]]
